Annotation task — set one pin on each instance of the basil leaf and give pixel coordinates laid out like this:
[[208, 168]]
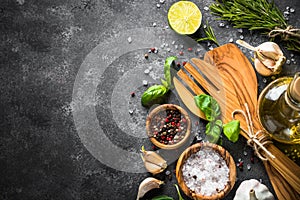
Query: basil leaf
[[232, 130], [208, 105], [167, 69], [162, 197], [153, 95], [213, 131]]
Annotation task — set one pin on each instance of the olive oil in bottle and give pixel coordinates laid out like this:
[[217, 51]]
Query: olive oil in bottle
[[279, 109]]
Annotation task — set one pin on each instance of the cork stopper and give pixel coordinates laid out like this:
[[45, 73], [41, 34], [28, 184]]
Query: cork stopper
[[295, 88]]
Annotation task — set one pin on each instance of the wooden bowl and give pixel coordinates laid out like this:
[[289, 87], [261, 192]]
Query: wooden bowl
[[160, 109], [223, 153]]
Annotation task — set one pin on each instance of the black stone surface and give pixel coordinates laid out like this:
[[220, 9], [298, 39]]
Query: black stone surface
[[48, 147]]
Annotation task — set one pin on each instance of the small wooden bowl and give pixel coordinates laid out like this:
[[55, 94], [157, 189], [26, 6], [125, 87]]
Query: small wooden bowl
[[223, 153], [157, 110]]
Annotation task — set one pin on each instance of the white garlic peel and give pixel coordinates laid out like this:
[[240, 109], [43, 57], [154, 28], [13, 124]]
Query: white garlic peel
[[253, 190], [153, 162], [147, 185], [268, 57]]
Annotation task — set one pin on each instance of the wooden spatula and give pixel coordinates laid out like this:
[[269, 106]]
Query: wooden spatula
[[227, 75]]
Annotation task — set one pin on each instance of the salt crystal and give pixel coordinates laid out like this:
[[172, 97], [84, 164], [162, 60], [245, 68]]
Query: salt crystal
[[173, 42], [147, 71], [161, 1], [154, 24], [211, 48], [248, 167], [286, 13], [205, 172], [245, 153], [158, 5], [240, 30], [150, 68], [145, 82], [230, 40], [130, 112], [206, 8], [176, 46], [168, 49], [241, 37], [181, 46], [221, 24], [129, 39], [292, 10]]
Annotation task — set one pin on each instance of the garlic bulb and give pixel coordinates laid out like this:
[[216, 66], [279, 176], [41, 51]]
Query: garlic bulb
[[147, 185], [268, 57], [153, 162], [253, 190]]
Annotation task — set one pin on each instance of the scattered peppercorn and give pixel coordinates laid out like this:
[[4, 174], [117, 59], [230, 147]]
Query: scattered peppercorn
[[181, 53], [146, 56], [183, 63], [152, 50], [190, 49]]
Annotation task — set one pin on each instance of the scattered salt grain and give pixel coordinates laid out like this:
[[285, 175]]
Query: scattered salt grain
[[240, 30], [206, 8], [221, 25], [292, 10], [161, 1], [147, 71], [145, 82], [205, 172], [129, 39], [241, 37], [158, 5], [248, 167], [230, 40], [154, 24]]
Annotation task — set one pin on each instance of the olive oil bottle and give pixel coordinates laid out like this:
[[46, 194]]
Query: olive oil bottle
[[279, 109]]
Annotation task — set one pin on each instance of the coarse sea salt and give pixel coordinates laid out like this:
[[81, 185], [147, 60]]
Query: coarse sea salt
[[205, 172]]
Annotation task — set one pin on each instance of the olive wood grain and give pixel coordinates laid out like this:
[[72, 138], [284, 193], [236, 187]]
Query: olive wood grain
[[231, 80]]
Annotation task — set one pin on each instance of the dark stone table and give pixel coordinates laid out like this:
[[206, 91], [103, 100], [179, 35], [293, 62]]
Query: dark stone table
[[69, 127]]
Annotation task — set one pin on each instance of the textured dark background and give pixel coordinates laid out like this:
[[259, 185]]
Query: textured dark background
[[43, 44]]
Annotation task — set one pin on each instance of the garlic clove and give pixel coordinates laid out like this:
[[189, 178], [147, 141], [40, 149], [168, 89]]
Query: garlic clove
[[147, 185], [270, 56], [248, 188], [153, 162], [261, 68]]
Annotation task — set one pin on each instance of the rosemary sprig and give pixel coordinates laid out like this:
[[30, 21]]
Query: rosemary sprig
[[259, 15], [210, 35]]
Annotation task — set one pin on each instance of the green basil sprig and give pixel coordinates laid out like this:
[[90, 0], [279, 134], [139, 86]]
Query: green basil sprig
[[210, 107], [156, 93]]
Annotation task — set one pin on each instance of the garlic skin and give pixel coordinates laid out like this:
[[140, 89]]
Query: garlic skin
[[153, 162], [268, 57], [147, 185], [253, 190]]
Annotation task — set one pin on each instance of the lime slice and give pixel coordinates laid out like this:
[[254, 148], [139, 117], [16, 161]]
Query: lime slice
[[184, 17]]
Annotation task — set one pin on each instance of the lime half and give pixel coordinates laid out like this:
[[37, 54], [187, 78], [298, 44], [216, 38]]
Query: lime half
[[184, 17]]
